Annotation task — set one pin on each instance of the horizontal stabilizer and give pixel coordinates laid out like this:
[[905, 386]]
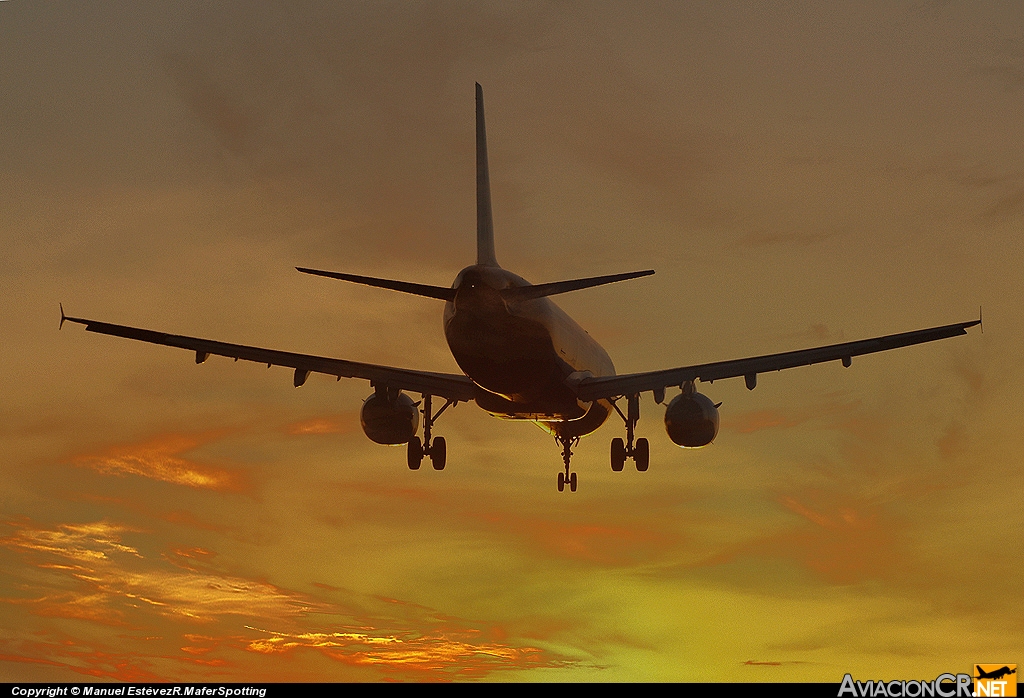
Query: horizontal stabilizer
[[525, 293], [439, 292]]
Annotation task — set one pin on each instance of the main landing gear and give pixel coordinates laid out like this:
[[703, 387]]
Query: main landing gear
[[567, 478], [637, 449], [436, 449], [641, 451]]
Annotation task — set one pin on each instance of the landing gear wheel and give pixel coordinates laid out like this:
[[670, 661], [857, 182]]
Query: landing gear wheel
[[438, 453], [561, 482], [642, 455], [618, 454], [572, 482], [415, 453]]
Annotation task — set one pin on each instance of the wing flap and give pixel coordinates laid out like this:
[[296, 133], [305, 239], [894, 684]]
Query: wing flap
[[446, 385], [604, 387]]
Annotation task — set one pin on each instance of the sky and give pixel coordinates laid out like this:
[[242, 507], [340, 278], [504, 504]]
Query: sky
[[797, 173]]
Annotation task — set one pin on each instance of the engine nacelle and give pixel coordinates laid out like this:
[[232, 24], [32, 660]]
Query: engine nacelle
[[394, 422], [691, 420]]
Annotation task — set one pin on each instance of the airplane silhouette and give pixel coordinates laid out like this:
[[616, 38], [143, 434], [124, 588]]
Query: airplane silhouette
[[995, 674], [523, 358]]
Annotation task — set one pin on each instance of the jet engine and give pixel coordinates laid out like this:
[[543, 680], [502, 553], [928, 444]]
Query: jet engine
[[389, 421], [691, 420]]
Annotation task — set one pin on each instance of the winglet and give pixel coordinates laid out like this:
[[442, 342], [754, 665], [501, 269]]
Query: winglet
[[63, 317], [979, 320]]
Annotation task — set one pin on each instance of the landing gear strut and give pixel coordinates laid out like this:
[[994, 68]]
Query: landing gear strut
[[436, 449], [641, 451], [567, 442]]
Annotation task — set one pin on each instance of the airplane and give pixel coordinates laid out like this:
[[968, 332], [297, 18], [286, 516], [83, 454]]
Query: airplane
[[995, 674], [523, 358]]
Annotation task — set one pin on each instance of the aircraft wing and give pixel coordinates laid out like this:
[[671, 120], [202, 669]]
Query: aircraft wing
[[446, 385], [604, 387]]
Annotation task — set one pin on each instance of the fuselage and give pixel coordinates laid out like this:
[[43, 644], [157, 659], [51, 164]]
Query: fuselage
[[521, 353]]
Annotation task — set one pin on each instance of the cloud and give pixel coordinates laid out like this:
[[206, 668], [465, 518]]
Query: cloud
[[765, 239], [458, 652], [80, 656], [213, 105], [816, 332], [1010, 77], [339, 424], [79, 542], [596, 537], [831, 414], [1006, 206], [158, 459], [843, 539], [85, 572], [758, 420], [114, 580]]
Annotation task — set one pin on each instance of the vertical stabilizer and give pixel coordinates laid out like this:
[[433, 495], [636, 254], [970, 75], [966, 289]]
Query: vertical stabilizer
[[484, 223]]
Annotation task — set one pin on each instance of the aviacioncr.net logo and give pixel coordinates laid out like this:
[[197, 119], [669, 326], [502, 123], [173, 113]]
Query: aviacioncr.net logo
[[943, 686]]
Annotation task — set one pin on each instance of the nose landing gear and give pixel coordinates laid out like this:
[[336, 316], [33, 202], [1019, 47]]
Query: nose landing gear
[[567, 478], [436, 449], [641, 451]]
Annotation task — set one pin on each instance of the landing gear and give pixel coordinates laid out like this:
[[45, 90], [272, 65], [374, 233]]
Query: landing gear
[[618, 454], [436, 449], [415, 452], [438, 453], [642, 455], [562, 482], [641, 451], [567, 478]]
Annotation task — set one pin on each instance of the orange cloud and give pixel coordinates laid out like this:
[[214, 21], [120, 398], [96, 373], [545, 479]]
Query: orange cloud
[[86, 572], [749, 422], [452, 651], [79, 657], [90, 607], [341, 424], [607, 544], [159, 459], [116, 580], [82, 542], [612, 545], [843, 540], [833, 414], [850, 539]]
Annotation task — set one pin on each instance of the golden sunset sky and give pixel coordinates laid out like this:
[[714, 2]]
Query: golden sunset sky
[[797, 173]]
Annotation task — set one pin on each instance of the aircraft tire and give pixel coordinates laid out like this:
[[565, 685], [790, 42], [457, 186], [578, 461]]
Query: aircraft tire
[[642, 455], [618, 454], [438, 453], [561, 482], [415, 453], [572, 482]]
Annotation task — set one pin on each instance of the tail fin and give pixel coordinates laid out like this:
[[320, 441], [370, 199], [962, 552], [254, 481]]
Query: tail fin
[[484, 222]]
